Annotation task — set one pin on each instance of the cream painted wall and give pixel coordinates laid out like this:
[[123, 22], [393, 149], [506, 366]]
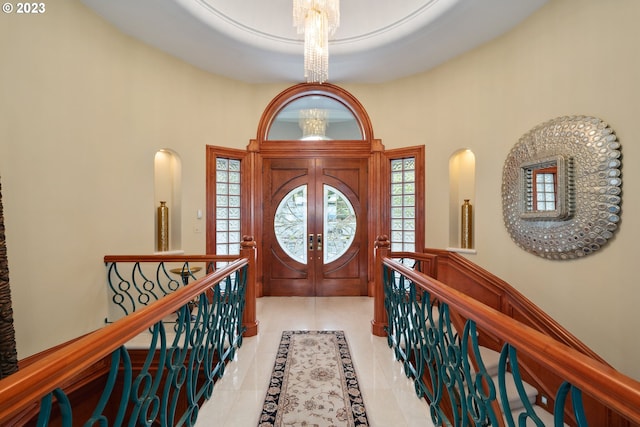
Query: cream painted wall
[[83, 110], [569, 58]]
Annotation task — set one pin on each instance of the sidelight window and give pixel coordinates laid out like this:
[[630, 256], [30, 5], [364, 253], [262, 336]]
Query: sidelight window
[[403, 204], [227, 208], [406, 198]]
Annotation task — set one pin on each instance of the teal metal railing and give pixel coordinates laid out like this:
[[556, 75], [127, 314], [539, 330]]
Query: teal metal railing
[[438, 357], [433, 330], [162, 382], [135, 282]]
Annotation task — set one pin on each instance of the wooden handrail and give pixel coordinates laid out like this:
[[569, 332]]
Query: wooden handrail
[[430, 267], [510, 298], [600, 381], [28, 385], [169, 258]]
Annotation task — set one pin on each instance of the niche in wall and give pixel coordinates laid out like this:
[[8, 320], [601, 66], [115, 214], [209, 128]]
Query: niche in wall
[[168, 188], [462, 185]]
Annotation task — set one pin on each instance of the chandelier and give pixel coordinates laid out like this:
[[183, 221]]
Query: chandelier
[[317, 20], [313, 122]]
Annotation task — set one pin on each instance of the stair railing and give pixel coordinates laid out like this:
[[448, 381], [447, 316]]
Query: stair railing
[[433, 330], [177, 372]]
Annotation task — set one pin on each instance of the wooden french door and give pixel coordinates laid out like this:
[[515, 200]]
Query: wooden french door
[[315, 225]]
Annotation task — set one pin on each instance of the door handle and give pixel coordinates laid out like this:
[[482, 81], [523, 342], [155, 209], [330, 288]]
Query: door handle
[[311, 242], [318, 242]]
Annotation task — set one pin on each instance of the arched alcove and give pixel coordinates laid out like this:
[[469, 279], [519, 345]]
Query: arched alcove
[[168, 188], [462, 186]]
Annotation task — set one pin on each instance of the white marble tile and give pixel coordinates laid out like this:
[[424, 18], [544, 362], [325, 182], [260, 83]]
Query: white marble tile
[[389, 395]]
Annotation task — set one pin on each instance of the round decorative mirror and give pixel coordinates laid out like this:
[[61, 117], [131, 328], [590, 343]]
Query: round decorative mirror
[[561, 188]]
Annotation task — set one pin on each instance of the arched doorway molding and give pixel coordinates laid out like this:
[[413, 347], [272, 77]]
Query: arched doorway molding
[[303, 90], [370, 151]]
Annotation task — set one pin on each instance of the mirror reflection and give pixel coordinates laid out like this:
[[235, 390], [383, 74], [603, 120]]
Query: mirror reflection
[[546, 190], [315, 118]]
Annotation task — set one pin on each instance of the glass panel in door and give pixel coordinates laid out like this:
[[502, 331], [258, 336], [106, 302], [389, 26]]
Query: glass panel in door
[[339, 224], [290, 224]]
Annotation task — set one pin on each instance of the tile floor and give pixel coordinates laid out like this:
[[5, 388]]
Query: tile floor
[[388, 394]]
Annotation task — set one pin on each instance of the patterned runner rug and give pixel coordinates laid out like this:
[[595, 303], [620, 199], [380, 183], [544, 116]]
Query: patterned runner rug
[[313, 383]]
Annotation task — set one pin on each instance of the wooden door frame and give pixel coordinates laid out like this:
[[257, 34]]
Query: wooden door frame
[[321, 149], [367, 148], [378, 184]]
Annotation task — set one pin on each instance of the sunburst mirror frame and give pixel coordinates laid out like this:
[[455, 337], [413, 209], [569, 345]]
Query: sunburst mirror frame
[[587, 156]]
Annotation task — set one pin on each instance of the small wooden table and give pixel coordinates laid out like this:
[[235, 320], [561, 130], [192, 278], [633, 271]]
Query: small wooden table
[[185, 273]]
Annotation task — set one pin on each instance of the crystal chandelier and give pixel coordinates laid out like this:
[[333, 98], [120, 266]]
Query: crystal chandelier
[[317, 20], [313, 122]]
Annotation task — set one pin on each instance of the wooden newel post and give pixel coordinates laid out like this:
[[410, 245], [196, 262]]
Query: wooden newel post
[[249, 321], [380, 321]]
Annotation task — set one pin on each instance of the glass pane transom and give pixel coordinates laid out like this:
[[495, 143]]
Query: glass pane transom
[[315, 117]]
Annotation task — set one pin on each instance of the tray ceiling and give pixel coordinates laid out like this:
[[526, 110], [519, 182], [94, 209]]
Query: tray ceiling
[[255, 41]]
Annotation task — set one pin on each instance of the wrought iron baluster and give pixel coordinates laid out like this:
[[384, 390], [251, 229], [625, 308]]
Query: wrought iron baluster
[[98, 417], [576, 401], [451, 368], [480, 389], [217, 333], [176, 371], [509, 359], [46, 404], [166, 280], [200, 359], [144, 390], [197, 342], [120, 288], [433, 359]]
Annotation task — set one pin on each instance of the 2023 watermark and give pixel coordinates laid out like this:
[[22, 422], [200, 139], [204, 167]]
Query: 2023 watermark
[[33, 8]]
